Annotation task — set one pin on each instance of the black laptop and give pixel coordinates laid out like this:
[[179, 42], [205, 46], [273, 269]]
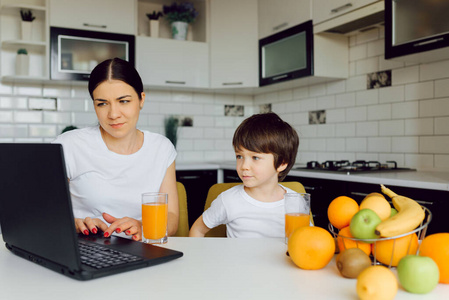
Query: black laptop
[[37, 221]]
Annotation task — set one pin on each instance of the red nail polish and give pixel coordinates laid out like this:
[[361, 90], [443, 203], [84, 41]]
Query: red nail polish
[[118, 230], [86, 232], [128, 232], [134, 237], [106, 234], [94, 231]]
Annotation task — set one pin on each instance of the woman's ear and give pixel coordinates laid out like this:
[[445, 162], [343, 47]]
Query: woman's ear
[[142, 100]]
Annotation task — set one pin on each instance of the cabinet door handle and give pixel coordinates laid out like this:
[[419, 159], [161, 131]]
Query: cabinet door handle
[[189, 177], [232, 83], [280, 26], [428, 42], [359, 194], [94, 25], [312, 188], [175, 82], [337, 9]]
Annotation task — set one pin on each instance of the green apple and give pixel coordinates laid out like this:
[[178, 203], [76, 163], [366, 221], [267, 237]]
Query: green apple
[[393, 212], [418, 274], [363, 224]]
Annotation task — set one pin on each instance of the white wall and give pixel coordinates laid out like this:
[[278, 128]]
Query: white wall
[[407, 122]]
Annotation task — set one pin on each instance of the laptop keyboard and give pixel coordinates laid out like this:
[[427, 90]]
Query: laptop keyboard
[[99, 257]]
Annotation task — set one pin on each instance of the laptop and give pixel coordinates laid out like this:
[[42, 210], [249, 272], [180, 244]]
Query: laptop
[[37, 222]]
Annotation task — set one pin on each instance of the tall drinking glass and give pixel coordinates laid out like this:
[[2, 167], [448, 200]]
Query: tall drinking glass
[[154, 218], [297, 212]]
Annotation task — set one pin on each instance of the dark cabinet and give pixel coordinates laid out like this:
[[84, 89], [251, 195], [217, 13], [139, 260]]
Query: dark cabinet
[[436, 201], [197, 184], [231, 176]]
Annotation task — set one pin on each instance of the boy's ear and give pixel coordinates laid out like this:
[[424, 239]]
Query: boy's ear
[[282, 167]]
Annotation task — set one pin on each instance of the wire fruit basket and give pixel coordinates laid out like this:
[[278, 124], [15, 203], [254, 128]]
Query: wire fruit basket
[[387, 251]]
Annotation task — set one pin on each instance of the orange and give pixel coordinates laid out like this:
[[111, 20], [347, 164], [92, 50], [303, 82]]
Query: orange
[[378, 203], [341, 210], [376, 282], [311, 247], [383, 249], [436, 246], [344, 244]]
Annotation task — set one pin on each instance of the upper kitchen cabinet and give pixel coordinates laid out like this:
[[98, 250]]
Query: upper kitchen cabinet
[[14, 36], [172, 63], [233, 43], [168, 63], [345, 16], [115, 16], [416, 31], [275, 15]]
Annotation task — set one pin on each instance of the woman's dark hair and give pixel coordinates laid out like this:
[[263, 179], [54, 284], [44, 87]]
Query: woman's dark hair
[[115, 69], [267, 133]]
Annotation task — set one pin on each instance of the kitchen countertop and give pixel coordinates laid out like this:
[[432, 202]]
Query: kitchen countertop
[[434, 180], [211, 268]]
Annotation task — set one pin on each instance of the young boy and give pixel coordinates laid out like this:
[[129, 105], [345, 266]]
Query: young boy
[[265, 149]]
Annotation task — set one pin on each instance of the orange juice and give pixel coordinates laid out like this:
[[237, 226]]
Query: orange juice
[[154, 220], [294, 221]]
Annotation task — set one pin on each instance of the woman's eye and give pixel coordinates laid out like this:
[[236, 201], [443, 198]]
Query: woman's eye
[[101, 104], [124, 101]]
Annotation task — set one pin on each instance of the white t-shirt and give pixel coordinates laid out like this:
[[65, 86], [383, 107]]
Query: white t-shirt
[[104, 181], [246, 217]]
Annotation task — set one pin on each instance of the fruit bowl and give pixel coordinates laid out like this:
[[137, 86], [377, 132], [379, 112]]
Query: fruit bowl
[[389, 250]]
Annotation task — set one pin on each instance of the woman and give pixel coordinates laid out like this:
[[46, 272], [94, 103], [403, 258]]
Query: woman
[[110, 165]]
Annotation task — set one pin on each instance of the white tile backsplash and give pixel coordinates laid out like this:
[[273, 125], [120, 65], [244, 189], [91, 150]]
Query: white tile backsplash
[[407, 122]]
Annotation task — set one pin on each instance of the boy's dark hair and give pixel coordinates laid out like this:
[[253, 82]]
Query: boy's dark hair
[[115, 69], [267, 133]]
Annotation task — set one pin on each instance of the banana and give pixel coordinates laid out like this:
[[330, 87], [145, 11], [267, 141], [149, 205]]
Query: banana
[[410, 215]]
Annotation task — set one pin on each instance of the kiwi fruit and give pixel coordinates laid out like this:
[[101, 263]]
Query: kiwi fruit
[[352, 261]]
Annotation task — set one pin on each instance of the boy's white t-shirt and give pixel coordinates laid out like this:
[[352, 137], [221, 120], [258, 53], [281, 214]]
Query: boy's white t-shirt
[[104, 181], [246, 217]]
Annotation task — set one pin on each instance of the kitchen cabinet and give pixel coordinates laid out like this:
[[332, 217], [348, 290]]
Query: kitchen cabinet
[[323, 10], [323, 191], [12, 40], [173, 63], [275, 16], [197, 184], [233, 44], [115, 16], [436, 201]]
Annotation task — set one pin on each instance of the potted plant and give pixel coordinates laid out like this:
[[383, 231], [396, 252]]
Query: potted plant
[[154, 23], [180, 15], [22, 62], [27, 19], [171, 129]]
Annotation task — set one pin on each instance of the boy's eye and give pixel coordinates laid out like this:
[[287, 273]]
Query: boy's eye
[[256, 157], [238, 156]]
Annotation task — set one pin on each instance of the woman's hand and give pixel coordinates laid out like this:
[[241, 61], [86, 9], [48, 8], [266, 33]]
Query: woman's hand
[[89, 225], [129, 226]]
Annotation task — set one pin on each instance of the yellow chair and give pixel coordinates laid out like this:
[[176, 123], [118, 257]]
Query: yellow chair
[[183, 225], [218, 188]]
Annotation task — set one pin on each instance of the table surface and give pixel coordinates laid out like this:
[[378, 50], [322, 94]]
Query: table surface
[[211, 268]]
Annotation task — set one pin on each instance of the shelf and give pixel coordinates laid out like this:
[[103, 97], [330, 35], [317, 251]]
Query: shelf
[[38, 46], [24, 79]]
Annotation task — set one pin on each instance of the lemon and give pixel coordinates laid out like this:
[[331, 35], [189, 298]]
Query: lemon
[[378, 203], [377, 282]]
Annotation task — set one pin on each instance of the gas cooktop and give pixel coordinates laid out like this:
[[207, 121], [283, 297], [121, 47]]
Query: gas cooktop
[[358, 166]]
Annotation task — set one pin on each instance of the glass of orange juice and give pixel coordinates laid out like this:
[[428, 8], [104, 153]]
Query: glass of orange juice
[[154, 218], [297, 212]]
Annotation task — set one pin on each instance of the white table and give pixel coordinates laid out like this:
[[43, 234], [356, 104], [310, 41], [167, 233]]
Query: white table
[[211, 268]]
